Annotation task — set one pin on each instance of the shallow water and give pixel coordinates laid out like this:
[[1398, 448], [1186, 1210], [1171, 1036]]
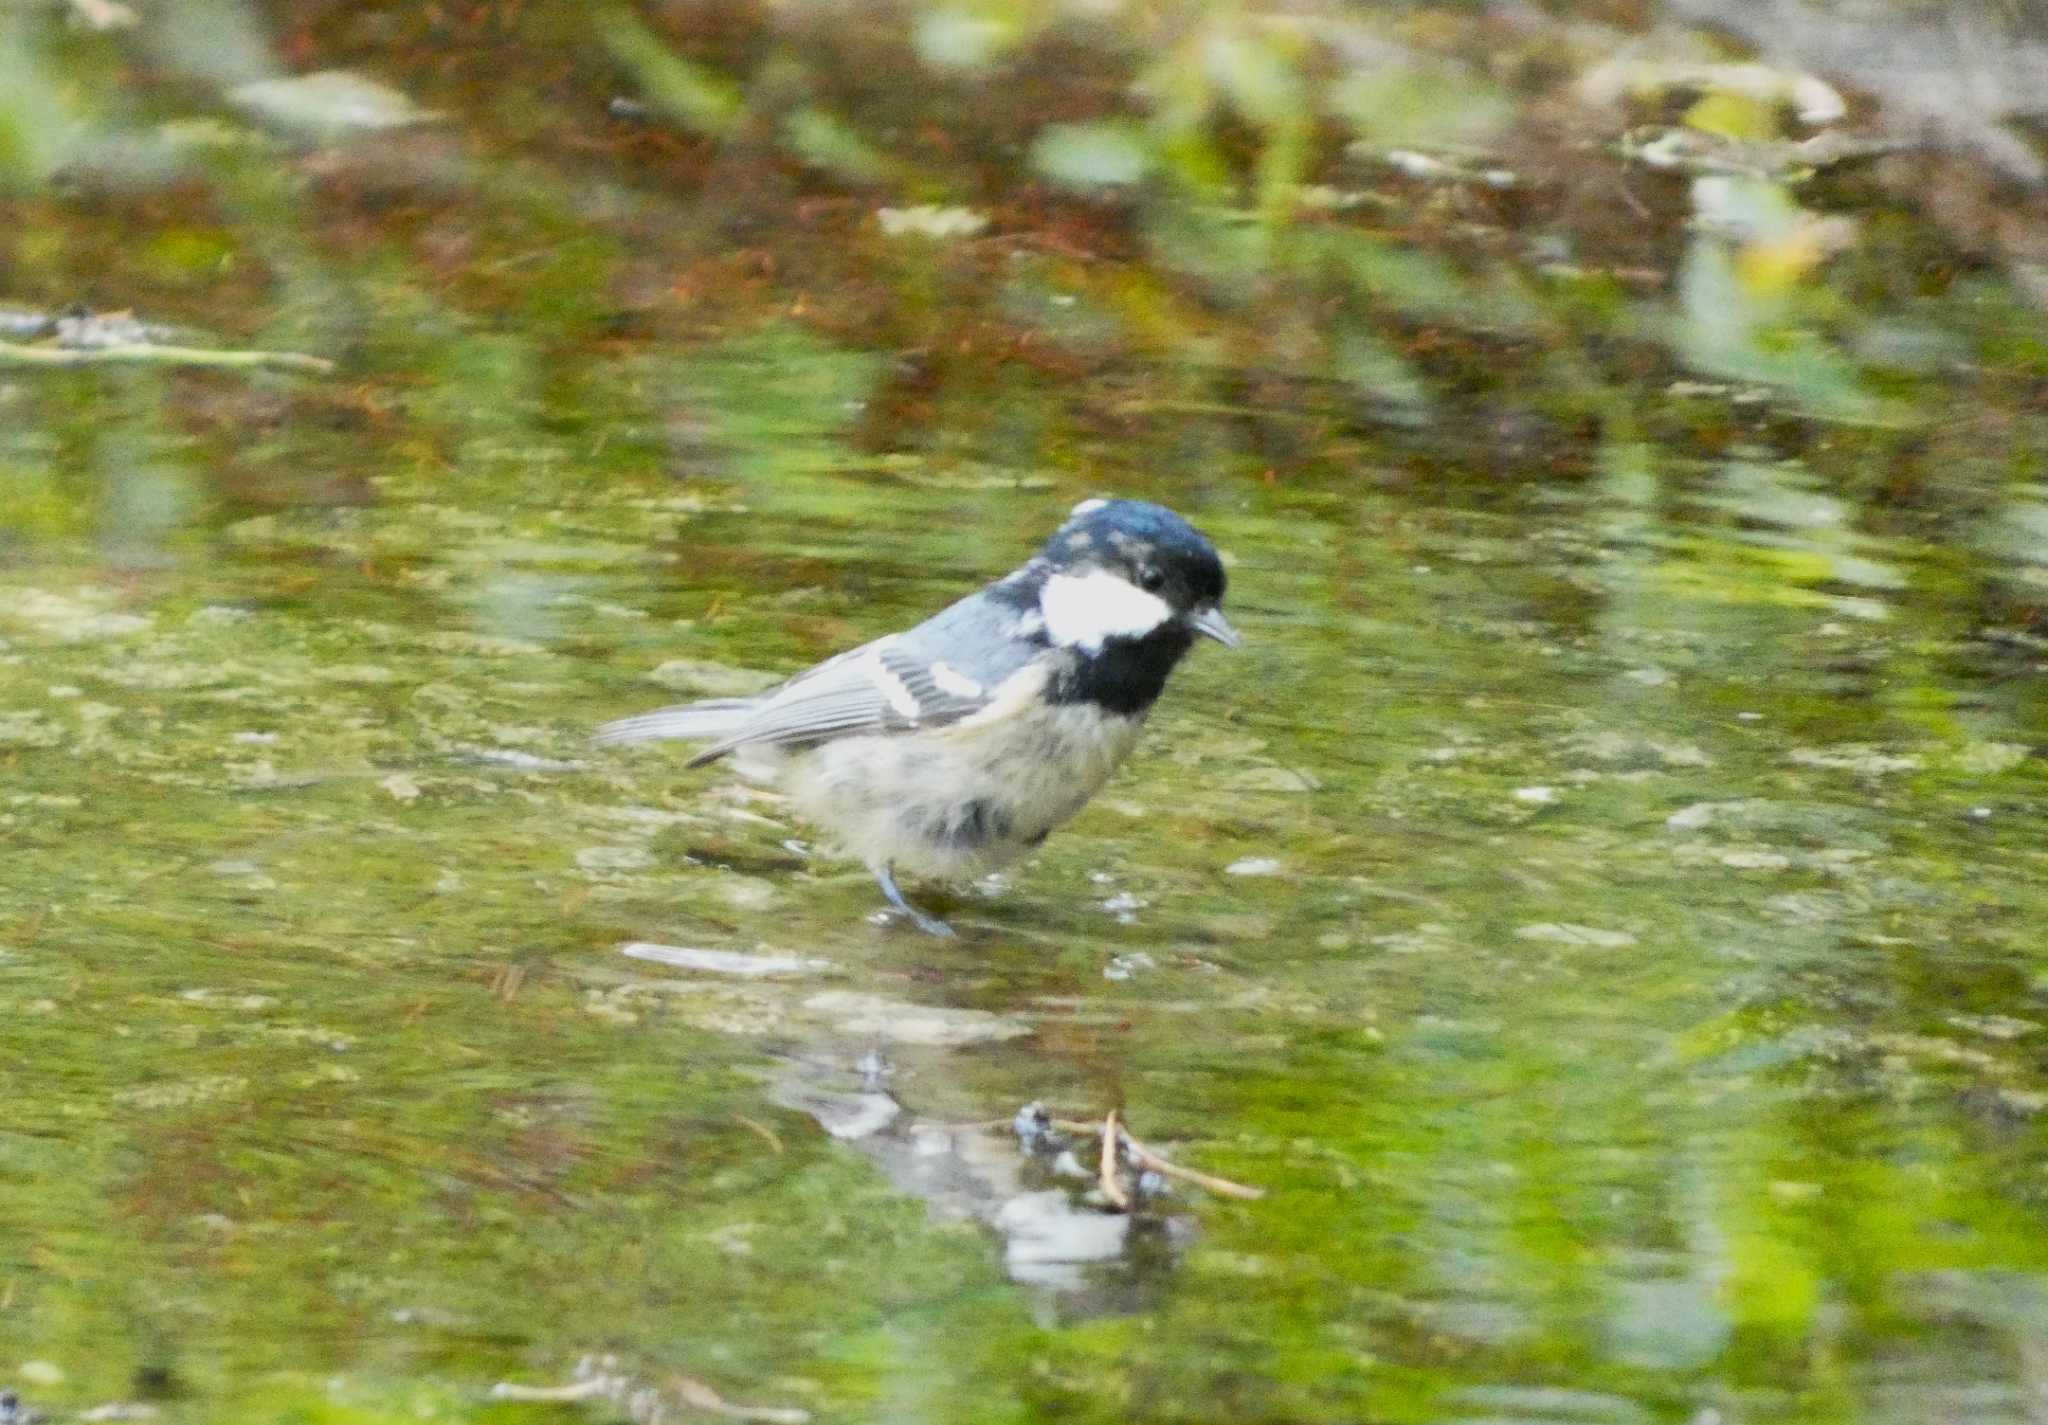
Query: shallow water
[[1599, 906]]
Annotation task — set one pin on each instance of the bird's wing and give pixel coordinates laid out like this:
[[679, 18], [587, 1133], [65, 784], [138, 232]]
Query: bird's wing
[[878, 688], [689, 722], [950, 667]]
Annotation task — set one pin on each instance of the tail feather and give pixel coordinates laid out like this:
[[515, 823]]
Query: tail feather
[[709, 721]]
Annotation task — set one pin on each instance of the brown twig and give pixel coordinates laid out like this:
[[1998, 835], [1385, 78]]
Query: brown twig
[[600, 1378], [1147, 1158], [698, 1395], [15, 354], [766, 1133], [1150, 1158], [1111, 1188], [506, 982], [591, 1389], [1074, 1125]]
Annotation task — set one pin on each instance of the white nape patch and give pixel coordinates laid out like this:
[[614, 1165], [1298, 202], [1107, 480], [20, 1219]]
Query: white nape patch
[[1086, 507], [948, 679], [1087, 610], [892, 687]]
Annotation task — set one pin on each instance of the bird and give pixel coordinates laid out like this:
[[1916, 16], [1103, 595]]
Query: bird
[[952, 748]]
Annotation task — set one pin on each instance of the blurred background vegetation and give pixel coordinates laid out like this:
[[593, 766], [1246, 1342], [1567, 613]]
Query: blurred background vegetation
[[1510, 222]]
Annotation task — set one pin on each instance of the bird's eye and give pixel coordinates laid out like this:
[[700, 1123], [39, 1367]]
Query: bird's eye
[[1151, 580]]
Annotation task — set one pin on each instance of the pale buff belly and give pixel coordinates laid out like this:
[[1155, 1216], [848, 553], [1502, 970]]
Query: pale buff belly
[[960, 801]]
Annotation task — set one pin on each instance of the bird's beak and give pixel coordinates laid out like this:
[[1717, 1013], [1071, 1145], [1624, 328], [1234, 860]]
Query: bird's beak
[[1210, 623]]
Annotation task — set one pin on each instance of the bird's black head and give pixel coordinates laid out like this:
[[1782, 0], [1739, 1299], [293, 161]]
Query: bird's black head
[[1125, 586], [1125, 569]]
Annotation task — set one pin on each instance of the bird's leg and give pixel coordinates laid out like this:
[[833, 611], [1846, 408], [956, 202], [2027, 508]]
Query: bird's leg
[[886, 879]]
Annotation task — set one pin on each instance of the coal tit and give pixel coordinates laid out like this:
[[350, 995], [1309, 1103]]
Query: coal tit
[[957, 746]]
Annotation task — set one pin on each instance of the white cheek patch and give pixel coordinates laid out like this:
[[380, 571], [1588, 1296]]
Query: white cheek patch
[[1087, 610]]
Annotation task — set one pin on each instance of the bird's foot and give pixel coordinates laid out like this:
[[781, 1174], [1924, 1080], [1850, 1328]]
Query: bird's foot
[[930, 925]]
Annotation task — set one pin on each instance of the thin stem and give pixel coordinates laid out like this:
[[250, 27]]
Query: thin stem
[[15, 354]]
